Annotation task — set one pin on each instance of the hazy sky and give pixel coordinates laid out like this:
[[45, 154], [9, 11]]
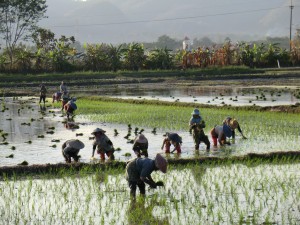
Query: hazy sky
[[118, 21]]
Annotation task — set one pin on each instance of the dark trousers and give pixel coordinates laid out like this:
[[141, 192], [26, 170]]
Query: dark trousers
[[133, 184], [42, 98], [200, 137]]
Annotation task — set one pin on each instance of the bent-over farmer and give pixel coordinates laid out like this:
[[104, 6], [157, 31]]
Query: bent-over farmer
[[138, 172], [103, 144], [70, 149]]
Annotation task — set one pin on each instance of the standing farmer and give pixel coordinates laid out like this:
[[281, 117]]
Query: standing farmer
[[196, 126], [138, 172], [43, 92], [63, 89]]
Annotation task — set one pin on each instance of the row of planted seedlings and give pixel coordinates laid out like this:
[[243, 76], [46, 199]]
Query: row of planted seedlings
[[229, 192], [266, 130]]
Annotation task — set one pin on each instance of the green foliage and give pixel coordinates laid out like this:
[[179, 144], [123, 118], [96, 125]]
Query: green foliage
[[18, 18], [134, 57]]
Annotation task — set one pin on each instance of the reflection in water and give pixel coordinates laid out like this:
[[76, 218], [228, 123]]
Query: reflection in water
[[215, 95], [141, 212], [24, 121], [42, 107]]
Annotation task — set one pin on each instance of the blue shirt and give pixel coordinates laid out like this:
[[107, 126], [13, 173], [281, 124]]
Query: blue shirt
[[195, 120], [145, 166]]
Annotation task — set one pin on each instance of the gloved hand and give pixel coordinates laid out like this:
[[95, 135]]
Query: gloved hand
[[160, 184]]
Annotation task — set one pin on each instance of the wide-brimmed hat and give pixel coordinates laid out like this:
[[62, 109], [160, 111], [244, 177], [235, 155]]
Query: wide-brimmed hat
[[233, 123], [141, 139], [227, 130], [75, 143], [174, 137], [196, 112], [161, 163], [98, 130]]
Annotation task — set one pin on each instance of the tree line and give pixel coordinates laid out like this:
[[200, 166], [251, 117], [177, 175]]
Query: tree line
[[47, 53]]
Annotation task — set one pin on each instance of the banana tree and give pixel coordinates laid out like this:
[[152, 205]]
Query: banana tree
[[134, 56], [246, 54], [62, 53], [258, 51], [114, 57], [96, 57], [24, 59], [272, 54], [160, 58]]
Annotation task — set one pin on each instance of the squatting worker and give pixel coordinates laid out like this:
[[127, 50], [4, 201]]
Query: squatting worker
[[138, 172], [70, 149]]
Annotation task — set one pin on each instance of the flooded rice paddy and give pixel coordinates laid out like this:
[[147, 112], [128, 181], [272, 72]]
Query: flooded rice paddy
[[199, 194], [34, 133], [217, 95]]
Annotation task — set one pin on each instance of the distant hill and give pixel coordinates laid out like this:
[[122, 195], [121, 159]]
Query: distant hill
[[118, 21]]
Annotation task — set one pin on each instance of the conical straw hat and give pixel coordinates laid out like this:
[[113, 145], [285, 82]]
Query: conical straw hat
[[174, 137], [161, 163], [75, 143], [233, 123]]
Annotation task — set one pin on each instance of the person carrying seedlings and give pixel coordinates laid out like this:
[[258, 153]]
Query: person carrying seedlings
[[70, 107], [233, 124], [196, 127], [70, 149], [140, 146], [219, 134], [175, 140], [43, 92], [138, 172], [103, 144], [166, 144]]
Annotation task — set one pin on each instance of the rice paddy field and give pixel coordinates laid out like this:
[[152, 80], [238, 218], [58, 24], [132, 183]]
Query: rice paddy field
[[231, 193], [249, 192]]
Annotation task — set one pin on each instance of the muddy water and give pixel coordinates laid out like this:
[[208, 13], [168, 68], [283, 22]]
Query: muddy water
[[217, 95], [24, 120]]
